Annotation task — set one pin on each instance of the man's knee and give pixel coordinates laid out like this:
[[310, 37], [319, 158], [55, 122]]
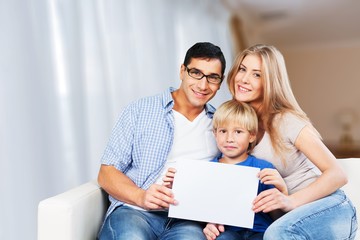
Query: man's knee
[[126, 225]]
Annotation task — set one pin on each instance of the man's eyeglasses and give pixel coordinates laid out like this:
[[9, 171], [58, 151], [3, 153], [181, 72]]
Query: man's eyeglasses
[[197, 74]]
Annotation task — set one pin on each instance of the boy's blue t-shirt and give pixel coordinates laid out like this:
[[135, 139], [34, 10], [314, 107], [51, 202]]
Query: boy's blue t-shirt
[[262, 220]]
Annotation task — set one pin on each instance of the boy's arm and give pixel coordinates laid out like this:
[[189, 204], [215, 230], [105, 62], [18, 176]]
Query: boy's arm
[[269, 176], [275, 214]]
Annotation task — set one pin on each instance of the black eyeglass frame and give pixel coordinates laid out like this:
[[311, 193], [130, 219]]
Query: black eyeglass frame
[[204, 75]]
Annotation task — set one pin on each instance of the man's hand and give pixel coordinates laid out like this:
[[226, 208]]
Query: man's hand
[[157, 197]]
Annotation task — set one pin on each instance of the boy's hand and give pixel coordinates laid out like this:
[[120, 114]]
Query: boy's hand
[[169, 177], [272, 176], [212, 230]]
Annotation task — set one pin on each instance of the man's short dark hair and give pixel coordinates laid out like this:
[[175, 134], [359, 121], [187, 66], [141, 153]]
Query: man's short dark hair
[[205, 50]]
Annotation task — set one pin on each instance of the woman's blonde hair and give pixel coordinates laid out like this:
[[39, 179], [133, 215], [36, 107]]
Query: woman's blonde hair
[[278, 97], [242, 114]]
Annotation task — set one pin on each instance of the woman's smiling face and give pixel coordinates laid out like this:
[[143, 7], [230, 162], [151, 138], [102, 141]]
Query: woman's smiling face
[[248, 81]]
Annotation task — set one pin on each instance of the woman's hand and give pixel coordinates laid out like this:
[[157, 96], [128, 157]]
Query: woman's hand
[[272, 176], [273, 199], [169, 177], [212, 230]]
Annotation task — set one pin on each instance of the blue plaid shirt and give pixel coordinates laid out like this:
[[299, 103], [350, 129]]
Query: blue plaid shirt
[[141, 140]]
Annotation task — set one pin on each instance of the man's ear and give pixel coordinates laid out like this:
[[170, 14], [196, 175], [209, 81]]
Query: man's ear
[[214, 132], [182, 71]]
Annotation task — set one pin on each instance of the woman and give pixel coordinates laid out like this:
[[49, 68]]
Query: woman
[[315, 207]]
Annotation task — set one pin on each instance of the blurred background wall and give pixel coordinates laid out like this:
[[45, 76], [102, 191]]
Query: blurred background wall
[[67, 68], [321, 44]]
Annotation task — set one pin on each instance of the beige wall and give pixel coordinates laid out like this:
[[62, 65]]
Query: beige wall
[[326, 81]]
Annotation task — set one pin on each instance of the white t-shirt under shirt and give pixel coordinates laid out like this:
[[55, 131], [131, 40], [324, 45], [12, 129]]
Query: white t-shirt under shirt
[[193, 140]]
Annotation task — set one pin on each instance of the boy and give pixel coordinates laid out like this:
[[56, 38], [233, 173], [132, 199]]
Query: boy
[[235, 127]]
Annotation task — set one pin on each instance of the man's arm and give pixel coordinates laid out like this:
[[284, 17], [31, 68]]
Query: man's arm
[[119, 186]]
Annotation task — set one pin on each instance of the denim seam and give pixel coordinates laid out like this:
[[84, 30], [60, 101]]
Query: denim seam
[[354, 225], [167, 224], [111, 229]]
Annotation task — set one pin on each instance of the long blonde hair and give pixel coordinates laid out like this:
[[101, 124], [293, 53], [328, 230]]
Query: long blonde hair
[[278, 97]]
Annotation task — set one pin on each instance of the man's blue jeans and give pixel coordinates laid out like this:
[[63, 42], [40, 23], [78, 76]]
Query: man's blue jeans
[[332, 217], [126, 223]]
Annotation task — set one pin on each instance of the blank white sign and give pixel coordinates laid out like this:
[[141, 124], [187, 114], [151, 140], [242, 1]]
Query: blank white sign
[[215, 192]]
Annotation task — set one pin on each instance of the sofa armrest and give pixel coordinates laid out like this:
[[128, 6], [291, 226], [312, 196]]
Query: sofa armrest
[[352, 168], [73, 215]]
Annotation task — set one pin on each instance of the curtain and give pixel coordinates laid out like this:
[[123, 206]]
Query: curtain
[[67, 68]]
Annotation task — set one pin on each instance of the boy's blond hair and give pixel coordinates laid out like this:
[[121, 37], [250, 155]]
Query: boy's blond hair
[[239, 113]]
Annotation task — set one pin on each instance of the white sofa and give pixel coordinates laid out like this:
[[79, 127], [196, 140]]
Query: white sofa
[[78, 213]]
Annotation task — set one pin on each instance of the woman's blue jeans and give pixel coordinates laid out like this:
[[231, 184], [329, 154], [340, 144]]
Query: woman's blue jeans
[[332, 217], [126, 223]]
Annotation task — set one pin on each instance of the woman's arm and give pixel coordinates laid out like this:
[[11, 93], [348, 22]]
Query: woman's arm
[[333, 177]]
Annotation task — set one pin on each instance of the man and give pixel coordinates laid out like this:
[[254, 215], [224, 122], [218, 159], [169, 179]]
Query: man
[[151, 134]]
